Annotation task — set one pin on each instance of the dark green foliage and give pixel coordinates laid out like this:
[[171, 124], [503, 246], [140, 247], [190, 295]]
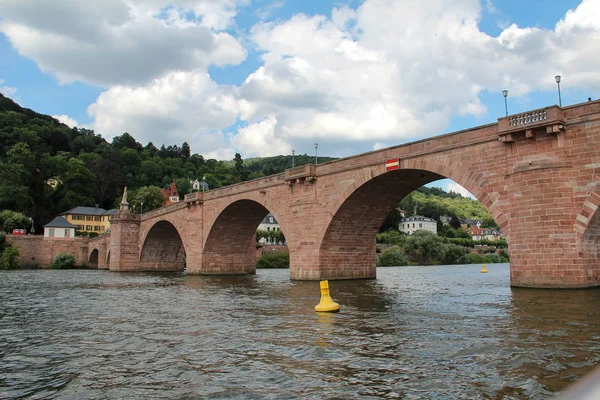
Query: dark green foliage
[[278, 259], [10, 220], [473, 258], [393, 256], [150, 196], [392, 237], [425, 247], [10, 258], [63, 261], [455, 254]]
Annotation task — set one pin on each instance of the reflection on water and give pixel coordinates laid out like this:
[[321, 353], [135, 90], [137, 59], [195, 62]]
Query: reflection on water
[[417, 332]]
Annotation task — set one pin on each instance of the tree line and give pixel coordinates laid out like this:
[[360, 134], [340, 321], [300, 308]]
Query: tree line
[[47, 168]]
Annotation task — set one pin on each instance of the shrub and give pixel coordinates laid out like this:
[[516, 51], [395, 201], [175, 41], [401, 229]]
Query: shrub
[[473, 258], [10, 258], [278, 259], [393, 256], [63, 261], [391, 237], [455, 254]]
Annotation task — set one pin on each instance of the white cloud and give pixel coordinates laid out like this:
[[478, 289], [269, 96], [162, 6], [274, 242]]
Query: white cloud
[[452, 186], [379, 75], [120, 41], [387, 73], [259, 139], [178, 107], [7, 90], [65, 119]]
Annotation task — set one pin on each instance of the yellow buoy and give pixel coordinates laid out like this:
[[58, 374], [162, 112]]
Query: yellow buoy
[[326, 304], [483, 269]]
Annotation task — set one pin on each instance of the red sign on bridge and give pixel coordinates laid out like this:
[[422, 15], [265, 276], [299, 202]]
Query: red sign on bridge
[[391, 164]]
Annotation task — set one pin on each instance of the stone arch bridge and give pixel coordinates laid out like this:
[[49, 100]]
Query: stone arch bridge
[[535, 172]]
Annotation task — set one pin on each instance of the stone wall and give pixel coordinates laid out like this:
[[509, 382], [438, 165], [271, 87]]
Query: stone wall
[[36, 248]]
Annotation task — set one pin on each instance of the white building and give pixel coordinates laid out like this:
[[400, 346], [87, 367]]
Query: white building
[[199, 186], [417, 223], [269, 223], [59, 228]]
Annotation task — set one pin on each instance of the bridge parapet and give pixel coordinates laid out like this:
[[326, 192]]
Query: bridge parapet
[[307, 172], [194, 198], [547, 120]]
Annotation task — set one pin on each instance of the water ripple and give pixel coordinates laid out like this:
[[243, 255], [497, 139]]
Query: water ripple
[[416, 332]]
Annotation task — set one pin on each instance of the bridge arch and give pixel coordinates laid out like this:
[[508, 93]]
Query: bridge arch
[[230, 245], [162, 248], [93, 260], [587, 226], [349, 240]]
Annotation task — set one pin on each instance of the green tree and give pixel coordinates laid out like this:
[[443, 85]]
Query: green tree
[[489, 222], [63, 261], [126, 141], [150, 196], [10, 220], [391, 237], [425, 247], [10, 258], [393, 256]]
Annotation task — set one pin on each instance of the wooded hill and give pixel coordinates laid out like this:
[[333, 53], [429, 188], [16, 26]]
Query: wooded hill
[[36, 148]]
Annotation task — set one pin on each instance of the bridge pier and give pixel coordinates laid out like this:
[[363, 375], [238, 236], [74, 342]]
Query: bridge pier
[[124, 242]]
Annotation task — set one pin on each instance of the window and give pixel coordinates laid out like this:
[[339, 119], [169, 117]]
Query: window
[[420, 225], [271, 219], [88, 227], [268, 228], [80, 227], [96, 218], [96, 228], [413, 224], [66, 233], [88, 218], [51, 232]]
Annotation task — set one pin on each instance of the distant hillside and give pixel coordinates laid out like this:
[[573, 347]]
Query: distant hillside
[[36, 148]]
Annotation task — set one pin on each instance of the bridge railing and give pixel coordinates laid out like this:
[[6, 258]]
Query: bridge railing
[[550, 118], [304, 172]]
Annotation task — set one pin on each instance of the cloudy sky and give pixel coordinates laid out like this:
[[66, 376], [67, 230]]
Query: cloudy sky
[[263, 77]]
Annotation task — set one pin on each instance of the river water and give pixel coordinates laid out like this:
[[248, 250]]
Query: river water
[[446, 332]]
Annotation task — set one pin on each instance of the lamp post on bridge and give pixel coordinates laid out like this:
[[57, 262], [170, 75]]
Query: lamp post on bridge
[[141, 207], [505, 93], [557, 78], [293, 156], [316, 158]]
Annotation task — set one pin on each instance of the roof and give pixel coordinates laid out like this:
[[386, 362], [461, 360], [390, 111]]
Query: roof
[[59, 222], [417, 218], [266, 219], [88, 211]]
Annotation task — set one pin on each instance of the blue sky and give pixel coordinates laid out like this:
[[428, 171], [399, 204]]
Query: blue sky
[[264, 77]]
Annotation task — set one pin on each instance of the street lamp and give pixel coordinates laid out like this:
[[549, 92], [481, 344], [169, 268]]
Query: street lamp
[[316, 158], [293, 161], [505, 93], [141, 207], [557, 77]]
